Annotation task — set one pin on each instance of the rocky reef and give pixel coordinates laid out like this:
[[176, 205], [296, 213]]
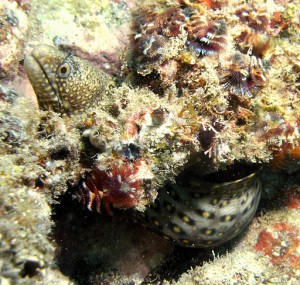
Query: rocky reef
[[199, 87]]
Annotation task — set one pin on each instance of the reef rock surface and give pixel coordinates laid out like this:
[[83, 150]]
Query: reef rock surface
[[200, 85]]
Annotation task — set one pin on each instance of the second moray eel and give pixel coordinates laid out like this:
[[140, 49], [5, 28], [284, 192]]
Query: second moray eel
[[65, 83], [206, 210], [195, 212]]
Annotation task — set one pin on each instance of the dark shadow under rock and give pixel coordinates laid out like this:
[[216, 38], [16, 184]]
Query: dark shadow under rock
[[94, 248], [91, 244]]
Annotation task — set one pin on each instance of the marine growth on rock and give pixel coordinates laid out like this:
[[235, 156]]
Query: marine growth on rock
[[205, 79]]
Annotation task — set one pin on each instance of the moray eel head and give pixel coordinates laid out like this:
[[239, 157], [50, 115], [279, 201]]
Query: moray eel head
[[65, 83]]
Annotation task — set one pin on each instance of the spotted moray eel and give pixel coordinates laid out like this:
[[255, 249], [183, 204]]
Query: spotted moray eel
[[206, 211], [199, 213], [65, 83]]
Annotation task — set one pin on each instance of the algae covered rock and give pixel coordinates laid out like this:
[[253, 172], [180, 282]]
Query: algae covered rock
[[194, 89]]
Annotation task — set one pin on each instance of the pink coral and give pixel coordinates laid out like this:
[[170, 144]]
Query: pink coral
[[281, 245]]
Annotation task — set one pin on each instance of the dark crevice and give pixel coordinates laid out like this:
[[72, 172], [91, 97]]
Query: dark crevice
[[80, 234]]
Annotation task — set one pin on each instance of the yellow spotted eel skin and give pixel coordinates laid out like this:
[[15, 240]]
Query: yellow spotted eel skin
[[198, 212], [65, 83], [207, 211]]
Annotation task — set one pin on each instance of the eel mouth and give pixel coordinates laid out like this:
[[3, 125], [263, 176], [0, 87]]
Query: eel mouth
[[42, 84], [35, 71]]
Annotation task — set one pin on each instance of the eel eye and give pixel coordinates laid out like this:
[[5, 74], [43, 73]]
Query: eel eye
[[64, 70]]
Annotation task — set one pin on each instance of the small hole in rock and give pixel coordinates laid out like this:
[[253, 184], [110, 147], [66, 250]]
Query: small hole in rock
[[30, 268]]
